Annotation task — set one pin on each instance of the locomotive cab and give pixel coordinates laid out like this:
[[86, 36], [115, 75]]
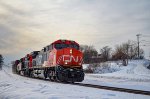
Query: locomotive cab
[[68, 55], [67, 58]]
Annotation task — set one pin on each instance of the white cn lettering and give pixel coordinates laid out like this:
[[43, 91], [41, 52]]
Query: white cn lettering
[[70, 58]]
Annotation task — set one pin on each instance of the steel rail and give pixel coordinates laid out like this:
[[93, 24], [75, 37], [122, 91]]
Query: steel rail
[[133, 91]]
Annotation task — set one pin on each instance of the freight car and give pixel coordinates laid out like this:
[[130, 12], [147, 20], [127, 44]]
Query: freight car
[[61, 60]]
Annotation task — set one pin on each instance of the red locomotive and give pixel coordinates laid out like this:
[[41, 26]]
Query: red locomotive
[[61, 60]]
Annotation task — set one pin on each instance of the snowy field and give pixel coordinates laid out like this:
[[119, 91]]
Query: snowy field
[[134, 76], [17, 87]]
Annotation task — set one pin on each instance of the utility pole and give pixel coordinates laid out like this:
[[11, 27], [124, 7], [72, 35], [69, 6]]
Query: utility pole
[[138, 42], [149, 55]]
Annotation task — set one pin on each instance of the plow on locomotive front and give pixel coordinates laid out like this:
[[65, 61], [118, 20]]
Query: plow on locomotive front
[[61, 60]]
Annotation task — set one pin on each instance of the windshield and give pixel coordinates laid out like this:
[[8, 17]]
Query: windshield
[[61, 46]]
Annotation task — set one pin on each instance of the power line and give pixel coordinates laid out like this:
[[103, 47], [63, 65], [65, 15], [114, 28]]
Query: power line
[[145, 41], [145, 45], [145, 35]]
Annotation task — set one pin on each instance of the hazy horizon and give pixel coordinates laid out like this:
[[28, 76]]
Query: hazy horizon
[[28, 25]]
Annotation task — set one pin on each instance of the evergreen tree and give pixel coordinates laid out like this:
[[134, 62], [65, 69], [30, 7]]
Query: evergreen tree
[[1, 61]]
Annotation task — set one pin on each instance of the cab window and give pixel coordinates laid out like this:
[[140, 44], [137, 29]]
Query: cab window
[[61, 46], [74, 46]]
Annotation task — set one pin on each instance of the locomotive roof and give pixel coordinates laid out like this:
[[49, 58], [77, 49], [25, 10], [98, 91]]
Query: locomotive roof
[[55, 42], [65, 42]]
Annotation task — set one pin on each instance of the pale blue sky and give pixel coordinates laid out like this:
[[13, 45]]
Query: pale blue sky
[[27, 25]]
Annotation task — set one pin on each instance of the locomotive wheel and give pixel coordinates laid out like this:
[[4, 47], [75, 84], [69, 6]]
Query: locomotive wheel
[[22, 73], [57, 77], [29, 73], [49, 75], [58, 74], [52, 77], [72, 81], [32, 74], [45, 74]]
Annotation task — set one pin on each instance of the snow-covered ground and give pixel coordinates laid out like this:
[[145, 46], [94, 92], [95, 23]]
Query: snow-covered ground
[[18, 87], [134, 76]]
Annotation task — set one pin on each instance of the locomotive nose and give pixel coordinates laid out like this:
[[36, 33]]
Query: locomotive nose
[[72, 57], [70, 51]]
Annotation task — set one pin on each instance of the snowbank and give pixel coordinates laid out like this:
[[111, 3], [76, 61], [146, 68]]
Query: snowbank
[[134, 67], [135, 76]]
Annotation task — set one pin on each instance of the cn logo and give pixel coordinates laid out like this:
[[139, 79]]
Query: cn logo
[[69, 58]]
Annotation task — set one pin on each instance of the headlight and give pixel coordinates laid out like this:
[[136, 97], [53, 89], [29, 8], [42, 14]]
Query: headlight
[[71, 51], [66, 63]]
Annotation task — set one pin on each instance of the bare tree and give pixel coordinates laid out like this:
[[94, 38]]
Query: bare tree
[[88, 53], [132, 50], [1, 61], [121, 53], [105, 53], [125, 51], [118, 53]]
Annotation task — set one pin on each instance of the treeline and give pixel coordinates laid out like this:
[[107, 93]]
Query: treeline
[[124, 52], [1, 61]]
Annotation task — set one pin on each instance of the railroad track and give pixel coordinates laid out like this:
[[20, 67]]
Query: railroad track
[[134, 91]]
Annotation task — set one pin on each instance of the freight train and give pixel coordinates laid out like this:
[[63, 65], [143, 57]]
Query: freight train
[[60, 61]]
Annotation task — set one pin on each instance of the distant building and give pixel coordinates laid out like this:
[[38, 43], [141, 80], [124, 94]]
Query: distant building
[[96, 59]]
